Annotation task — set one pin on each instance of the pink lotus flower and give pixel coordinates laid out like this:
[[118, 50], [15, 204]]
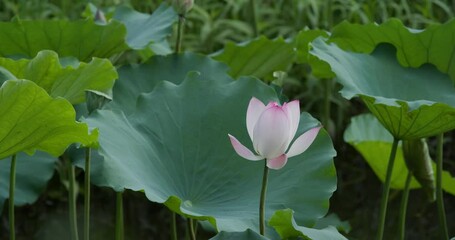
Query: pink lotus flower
[[271, 129]]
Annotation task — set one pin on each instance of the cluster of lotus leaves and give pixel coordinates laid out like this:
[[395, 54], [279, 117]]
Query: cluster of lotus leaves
[[169, 139]]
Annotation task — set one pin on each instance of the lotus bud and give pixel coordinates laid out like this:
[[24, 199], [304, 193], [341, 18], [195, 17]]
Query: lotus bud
[[182, 6], [418, 161]]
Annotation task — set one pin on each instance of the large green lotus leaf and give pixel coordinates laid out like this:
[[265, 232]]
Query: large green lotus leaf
[[143, 29], [433, 45], [245, 235], [259, 57], [32, 175], [284, 223], [68, 82], [175, 148], [82, 39], [368, 136], [411, 103], [136, 79], [32, 120]]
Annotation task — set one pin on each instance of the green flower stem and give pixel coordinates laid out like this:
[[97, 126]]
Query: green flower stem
[[87, 195], [439, 197], [404, 206], [327, 105], [385, 190], [262, 200], [180, 26], [119, 227], [174, 226], [191, 228], [72, 200], [328, 14], [12, 186], [254, 20]]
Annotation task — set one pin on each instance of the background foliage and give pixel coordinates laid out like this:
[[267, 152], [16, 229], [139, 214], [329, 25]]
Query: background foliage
[[211, 26]]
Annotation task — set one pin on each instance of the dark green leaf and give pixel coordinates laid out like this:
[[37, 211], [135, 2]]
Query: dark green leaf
[[82, 39], [260, 57], [175, 148], [410, 103]]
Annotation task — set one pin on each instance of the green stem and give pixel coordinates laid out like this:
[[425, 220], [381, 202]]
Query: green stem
[[191, 228], [429, 8], [12, 186], [328, 14], [262, 200], [174, 226], [327, 105], [404, 206], [180, 26], [385, 190], [119, 227], [72, 200], [439, 197], [87, 195], [254, 20]]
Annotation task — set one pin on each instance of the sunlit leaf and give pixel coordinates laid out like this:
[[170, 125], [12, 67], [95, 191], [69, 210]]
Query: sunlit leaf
[[32, 120], [284, 223], [369, 137], [68, 82]]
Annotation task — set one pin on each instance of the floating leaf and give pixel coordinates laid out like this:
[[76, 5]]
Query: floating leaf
[[29, 184], [82, 39], [284, 223], [32, 120], [68, 82], [260, 57], [414, 47], [143, 29], [367, 136], [410, 103], [175, 148]]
